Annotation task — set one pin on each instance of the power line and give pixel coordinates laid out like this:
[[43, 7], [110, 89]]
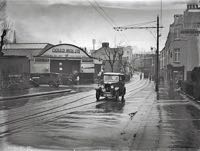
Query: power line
[[161, 11], [161, 14], [140, 24], [107, 18], [112, 21], [106, 14]]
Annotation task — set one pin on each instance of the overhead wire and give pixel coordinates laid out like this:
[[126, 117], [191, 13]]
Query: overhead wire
[[113, 22], [161, 20], [105, 15], [107, 20], [140, 24]]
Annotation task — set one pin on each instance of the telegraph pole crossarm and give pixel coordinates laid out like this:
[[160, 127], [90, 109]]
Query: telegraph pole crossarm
[[135, 27]]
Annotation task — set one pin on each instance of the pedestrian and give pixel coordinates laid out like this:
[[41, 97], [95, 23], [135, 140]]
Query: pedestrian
[[150, 77], [141, 76], [77, 79]]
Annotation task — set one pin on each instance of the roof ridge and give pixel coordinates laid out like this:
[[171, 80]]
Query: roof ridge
[[30, 43]]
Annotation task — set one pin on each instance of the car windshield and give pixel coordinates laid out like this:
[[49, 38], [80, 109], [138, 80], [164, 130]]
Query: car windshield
[[111, 78]]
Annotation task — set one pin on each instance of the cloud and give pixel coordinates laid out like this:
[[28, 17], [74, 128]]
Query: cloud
[[78, 23], [123, 4]]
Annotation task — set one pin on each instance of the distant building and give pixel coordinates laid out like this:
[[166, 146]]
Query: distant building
[[145, 63], [108, 56], [119, 57], [182, 48]]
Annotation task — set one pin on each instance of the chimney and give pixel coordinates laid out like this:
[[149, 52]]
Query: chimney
[[105, 44], [93, 42]]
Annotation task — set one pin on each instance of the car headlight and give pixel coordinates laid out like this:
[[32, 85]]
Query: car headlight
[[116, 88], [112, 87]]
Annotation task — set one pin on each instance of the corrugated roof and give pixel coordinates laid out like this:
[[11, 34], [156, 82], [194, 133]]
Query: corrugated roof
[[25, 49], [26, 46]]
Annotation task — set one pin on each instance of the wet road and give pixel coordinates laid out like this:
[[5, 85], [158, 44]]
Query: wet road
[[78, 122]]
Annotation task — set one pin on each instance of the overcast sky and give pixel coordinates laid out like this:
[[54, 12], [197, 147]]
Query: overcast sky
[[79, 21]]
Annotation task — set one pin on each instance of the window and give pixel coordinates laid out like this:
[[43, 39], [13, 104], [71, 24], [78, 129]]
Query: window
[[176, 34], [111, 78], [177, 55]]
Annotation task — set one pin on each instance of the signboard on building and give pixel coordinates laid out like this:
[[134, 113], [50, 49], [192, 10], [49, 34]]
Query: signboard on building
[[87, 67], [65, 50]]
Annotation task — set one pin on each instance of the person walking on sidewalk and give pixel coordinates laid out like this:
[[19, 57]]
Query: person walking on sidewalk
[[140, 76]]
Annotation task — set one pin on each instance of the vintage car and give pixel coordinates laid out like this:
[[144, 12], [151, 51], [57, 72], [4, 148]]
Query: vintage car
[[112, 86], [52, 79]]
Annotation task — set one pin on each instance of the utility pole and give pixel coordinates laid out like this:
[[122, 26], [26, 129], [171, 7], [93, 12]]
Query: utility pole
[[157, 50], [157, 60]]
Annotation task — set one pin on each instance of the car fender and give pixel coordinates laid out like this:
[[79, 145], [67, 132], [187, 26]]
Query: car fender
[[98, 89]]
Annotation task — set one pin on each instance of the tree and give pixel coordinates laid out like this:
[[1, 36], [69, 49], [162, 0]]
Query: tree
[[123, 62], [2, 23], [111, 55], [2, 41]]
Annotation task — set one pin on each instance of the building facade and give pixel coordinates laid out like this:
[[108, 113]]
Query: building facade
[[182, 48], [114, 59], [65, 59]]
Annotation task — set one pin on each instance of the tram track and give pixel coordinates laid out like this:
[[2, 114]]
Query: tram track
[[42, 106], [57, 107], [35, 115], [47, 112]]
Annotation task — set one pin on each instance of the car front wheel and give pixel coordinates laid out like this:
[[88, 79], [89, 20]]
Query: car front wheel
[[97, 96], [117, 96], [124, 92]]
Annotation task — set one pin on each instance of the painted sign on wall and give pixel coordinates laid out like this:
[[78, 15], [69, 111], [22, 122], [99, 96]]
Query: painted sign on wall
[[65, 50], [87, 67]]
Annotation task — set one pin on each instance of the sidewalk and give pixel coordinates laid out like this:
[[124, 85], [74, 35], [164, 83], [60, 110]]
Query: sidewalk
[[170, 123], [167, 92], [43, 90]]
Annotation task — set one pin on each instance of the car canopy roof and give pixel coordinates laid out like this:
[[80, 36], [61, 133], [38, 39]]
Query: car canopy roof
[[113, 73]]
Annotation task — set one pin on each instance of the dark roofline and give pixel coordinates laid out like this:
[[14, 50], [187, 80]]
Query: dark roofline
[[45, 50], [30, 43], [26, 48], [12, 56]]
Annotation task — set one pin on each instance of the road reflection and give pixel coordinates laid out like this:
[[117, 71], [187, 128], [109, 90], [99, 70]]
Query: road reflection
[[111, 106]]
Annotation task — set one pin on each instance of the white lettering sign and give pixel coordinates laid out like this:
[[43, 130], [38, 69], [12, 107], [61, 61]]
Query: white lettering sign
[[64, 50]]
